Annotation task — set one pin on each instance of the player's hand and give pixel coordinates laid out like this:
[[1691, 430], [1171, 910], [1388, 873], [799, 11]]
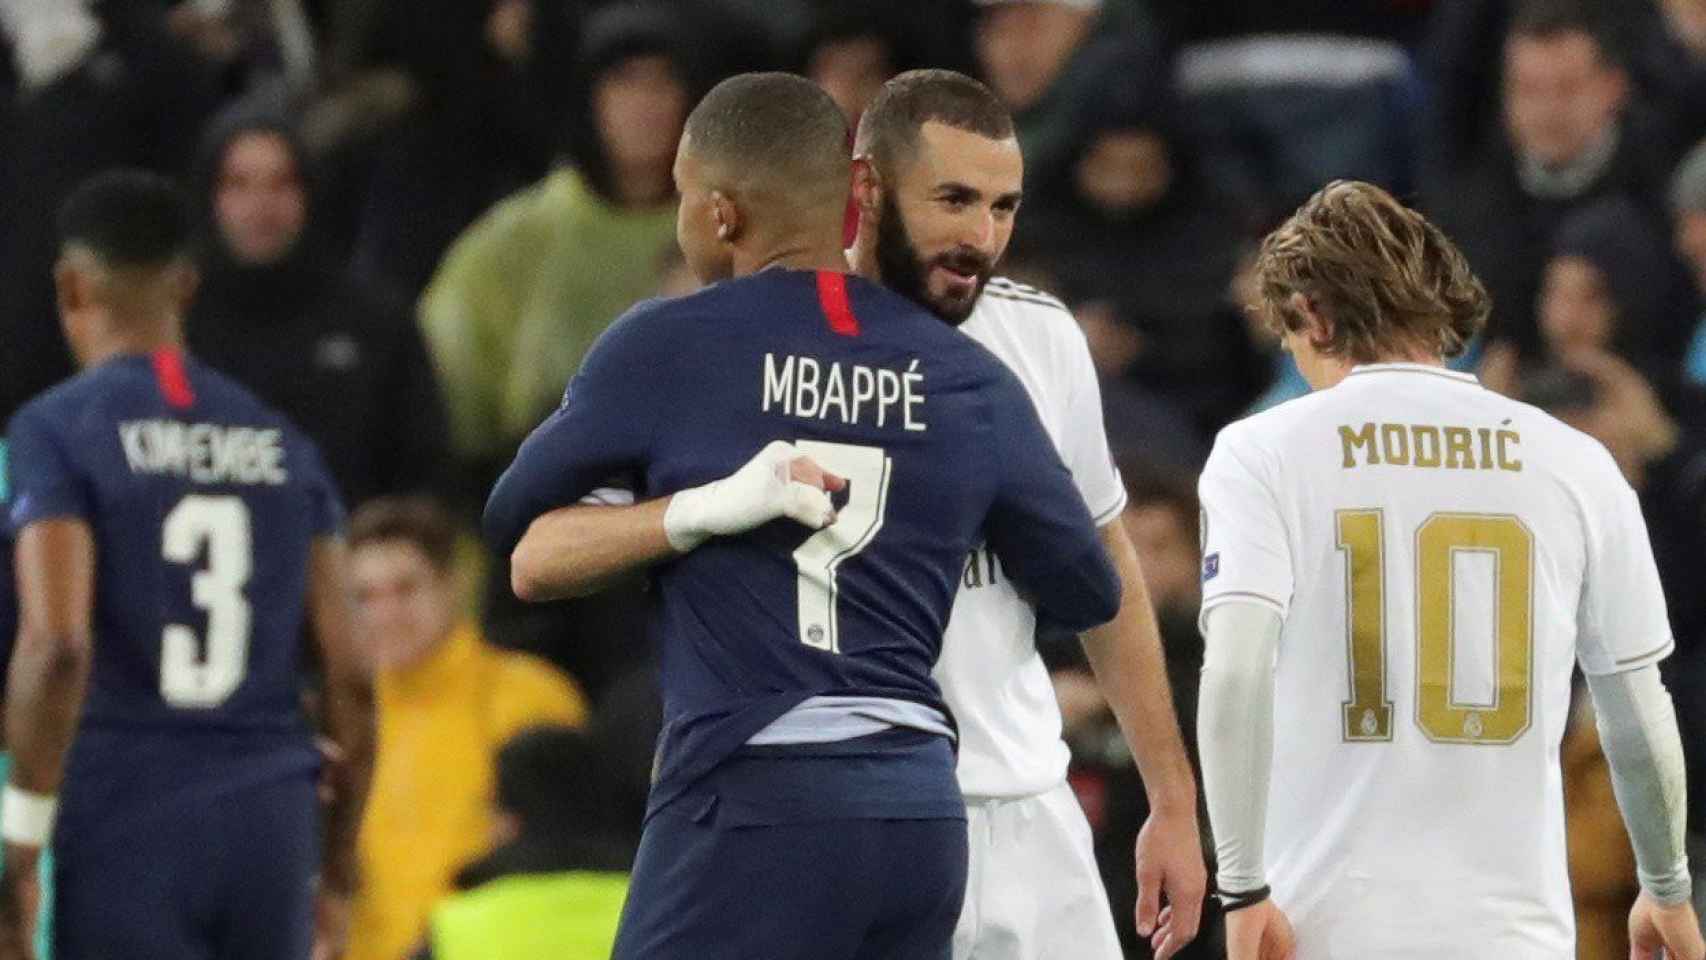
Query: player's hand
[[20, 901], [331, 924], [1658, 932], [1170, 864], [778, 482], [1260, 932]]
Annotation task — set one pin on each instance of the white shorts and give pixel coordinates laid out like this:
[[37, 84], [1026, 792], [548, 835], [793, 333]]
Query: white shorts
[[1032, 890]]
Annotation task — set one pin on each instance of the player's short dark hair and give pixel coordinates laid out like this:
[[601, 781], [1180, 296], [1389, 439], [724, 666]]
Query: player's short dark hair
[[773, 132], [890, 126], [417, 520], [128, 218], [1548, 19]]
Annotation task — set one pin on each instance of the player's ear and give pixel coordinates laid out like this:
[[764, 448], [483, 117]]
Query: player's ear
[[70, 287], [1317, 327], [725, 216], [867, 187], [185, 280]]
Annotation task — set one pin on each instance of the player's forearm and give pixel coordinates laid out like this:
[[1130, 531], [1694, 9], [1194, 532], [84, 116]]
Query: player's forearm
[[1126, 656], [573, 551], [50, 660], [44, 699], [1638, 732], [1235, 735], [350, 721]]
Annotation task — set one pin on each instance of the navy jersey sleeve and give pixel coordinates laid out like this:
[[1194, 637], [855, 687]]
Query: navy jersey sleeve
[[8, 583], [1040, 527], [44, 481], [325, 505], [602, 430]]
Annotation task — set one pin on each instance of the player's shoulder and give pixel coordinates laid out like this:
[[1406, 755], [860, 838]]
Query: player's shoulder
[[1010, 296], [1276, 427], [86, 395]]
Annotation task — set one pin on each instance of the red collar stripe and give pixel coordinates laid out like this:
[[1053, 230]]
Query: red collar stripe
[[174, 383], [832, 295]]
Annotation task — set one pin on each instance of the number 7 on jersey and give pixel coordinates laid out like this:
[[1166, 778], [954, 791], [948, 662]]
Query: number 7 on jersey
[[867, 471]]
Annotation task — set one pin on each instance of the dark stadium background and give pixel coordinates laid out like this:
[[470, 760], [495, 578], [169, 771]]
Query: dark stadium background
[[484, 193]]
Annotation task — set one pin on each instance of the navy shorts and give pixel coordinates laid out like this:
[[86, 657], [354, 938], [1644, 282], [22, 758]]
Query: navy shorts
[[778, 857], [228, 876]]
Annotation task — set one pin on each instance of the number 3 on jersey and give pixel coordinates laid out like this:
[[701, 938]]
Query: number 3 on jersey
[[188, 678], [866, 470], [1439, 541]]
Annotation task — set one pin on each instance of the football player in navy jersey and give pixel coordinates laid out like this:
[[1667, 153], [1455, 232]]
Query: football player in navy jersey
[[810, 458], [174, 538]]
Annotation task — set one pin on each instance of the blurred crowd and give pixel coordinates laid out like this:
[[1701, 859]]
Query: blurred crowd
[[417, 215]]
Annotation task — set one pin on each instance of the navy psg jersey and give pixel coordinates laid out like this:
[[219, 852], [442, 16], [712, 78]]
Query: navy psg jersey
[[203, 503], [942, 450]]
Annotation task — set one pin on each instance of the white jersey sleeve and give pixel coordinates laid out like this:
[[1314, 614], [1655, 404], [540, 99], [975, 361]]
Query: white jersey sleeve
[[1083, 437], [1246, 546], [1621, 623]]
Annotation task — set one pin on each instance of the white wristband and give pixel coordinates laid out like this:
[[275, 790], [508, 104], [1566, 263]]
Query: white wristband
[[27, 818]]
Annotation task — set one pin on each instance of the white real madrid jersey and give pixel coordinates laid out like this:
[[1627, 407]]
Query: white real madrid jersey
[[1442, 557], [989, 670]]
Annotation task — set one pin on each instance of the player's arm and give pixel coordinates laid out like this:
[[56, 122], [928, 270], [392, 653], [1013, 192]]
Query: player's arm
[[575, 550], [349, 707], [1638, 732], [55, 561], [1235, 736], [1622, 632], [1038, 524], [1247, 587], [1126, 656]]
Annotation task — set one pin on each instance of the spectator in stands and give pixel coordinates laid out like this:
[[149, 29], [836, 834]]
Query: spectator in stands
[[1048, 60], [440, 108], [527, 289], [1145, 249], [446, 702], [346, 366], [101, 85], [1688, 211], [553, 889], [1610, 283], [850, 51], [1567, 139]]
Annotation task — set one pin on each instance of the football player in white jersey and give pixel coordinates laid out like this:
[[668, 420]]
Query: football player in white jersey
[[1401, 571], [937, 175]]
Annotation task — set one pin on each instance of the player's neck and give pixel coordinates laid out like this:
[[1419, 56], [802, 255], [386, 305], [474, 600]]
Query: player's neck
[[132, 337], [795, 253]]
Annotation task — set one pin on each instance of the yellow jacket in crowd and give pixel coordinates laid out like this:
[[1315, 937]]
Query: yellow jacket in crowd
[[441, 722]]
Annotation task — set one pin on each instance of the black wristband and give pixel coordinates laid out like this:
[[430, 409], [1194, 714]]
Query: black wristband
[[1238, 901]]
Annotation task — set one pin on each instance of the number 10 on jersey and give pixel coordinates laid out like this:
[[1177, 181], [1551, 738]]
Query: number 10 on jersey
[[1439, 540]]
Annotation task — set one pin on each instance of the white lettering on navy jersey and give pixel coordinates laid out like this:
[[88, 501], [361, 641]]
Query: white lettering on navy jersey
[[810, 389], [204, 452]]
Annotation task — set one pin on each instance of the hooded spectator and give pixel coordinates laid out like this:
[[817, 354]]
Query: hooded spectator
[[1141, 244], [851, 51], [347, 367], [1688, 211], [526, 290], [1610, 284], [1048, 60]]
